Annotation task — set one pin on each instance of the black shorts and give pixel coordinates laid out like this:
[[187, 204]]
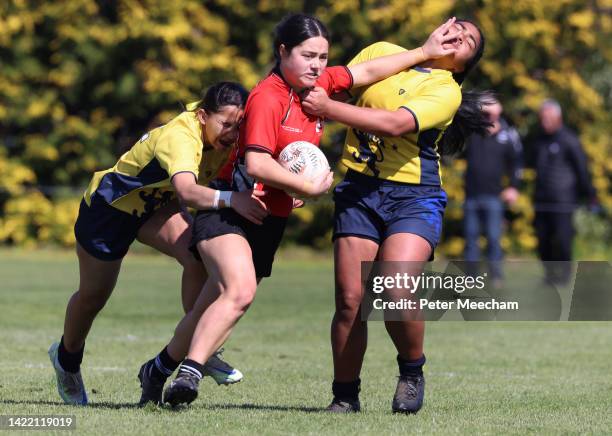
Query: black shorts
[[264, 239], [105, 232]]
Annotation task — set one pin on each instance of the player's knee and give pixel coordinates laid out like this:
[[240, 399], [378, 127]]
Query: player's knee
[[242, 294], [242, 304], [93, 300], [348, 301]]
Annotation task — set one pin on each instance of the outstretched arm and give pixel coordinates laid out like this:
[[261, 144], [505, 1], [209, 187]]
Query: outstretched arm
[[381, 122], [365, 73], [435, 104]]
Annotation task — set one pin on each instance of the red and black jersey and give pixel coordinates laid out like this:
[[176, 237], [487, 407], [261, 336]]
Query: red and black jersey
[[273, 118]]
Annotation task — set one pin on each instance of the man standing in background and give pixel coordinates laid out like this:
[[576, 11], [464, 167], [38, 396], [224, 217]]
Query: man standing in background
[[562, 179], [489, 159]]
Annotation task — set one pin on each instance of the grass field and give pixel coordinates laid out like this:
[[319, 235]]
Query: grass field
[[484, 378]]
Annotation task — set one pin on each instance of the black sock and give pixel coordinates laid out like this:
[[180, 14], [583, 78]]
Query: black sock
[[346, 390], [162, 366], [411, 367], [70, 362], [191, 368]]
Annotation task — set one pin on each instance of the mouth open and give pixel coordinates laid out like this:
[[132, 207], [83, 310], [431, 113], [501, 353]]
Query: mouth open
[[454, 42]]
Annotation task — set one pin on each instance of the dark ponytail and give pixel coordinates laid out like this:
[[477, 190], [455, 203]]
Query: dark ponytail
[[294, 29], [470, 117], [223, 94]]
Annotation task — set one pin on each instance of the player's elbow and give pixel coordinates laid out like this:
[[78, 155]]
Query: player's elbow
[[184, 184], [253, 169], [255, 164], [393, 129], [185, 195]]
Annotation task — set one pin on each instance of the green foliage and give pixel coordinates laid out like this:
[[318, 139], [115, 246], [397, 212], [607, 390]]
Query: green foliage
[[82, 79], [595, 235]]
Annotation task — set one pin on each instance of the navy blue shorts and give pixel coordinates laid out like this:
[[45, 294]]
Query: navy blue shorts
[[376, 209], [105, 232]]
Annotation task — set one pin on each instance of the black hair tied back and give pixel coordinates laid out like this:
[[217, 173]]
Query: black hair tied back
[[294, 29], [223, 94], [470, 118]]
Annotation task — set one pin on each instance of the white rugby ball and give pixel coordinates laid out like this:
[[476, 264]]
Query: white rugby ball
[[303, 158]]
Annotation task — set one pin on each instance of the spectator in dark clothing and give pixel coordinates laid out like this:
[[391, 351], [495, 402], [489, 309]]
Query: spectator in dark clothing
[[489, 159], [562, 180]]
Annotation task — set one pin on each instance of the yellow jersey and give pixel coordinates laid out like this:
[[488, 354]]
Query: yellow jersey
[[140, 182], [431, 95]]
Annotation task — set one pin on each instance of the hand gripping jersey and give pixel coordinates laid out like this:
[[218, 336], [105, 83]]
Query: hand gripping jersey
[[140, 182], [273, 118], [432, 96]]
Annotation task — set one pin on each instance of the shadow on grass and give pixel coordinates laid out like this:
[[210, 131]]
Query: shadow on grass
[[116, 406], [268, 407], [101, 405]]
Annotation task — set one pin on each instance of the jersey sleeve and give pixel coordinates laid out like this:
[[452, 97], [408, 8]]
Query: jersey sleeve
[[262, 120], [434, 104], [376, 50], [178, 150], [373, 51], [336, 79]]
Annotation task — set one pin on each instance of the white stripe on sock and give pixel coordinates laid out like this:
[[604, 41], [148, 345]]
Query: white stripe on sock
[[190, 370]]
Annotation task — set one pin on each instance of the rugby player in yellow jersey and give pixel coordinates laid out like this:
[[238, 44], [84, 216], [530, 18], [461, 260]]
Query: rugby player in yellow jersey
[[140, 198], [390, 205]]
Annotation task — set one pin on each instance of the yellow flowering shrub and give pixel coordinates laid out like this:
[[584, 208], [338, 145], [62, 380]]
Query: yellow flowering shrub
[[81, 80]]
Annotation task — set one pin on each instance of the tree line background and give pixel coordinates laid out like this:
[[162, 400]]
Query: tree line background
[[81, 80]]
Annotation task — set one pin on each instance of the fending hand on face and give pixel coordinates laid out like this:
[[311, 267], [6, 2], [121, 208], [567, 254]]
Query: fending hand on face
[[434, 46]]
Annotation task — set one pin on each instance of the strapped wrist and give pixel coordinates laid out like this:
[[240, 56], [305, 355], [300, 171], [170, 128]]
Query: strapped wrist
[[222, 199], [225, 199]]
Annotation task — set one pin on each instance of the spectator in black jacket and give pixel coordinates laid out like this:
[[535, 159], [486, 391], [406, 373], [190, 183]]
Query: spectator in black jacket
[[562, 180], [489, 159]]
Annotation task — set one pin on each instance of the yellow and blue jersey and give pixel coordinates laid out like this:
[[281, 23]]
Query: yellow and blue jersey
[[433, 97], [140, 182]]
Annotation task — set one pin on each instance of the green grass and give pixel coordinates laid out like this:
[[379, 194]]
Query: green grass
[[484, 378]]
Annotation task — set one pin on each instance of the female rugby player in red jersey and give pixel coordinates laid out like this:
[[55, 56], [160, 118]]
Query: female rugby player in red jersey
[[390, 205], [237, 253]]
